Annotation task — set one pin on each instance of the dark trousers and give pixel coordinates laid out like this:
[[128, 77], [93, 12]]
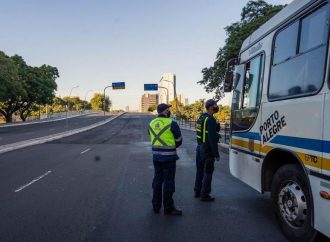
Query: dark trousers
[[164, 184], [204, 171]]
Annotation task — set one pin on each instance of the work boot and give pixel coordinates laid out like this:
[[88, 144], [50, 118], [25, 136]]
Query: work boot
[[207, 198], [173, 212]]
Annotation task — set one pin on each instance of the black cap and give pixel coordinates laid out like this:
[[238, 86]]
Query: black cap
[[162, 107], [209, 103]]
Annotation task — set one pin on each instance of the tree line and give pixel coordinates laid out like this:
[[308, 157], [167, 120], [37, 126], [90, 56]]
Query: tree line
[[27, 91], [194, 110]]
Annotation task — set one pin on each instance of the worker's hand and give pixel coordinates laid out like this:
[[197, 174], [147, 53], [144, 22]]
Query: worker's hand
[[217, 158]]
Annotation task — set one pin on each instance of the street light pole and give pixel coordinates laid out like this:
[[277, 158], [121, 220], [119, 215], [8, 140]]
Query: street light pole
[[67, 105], [104, 100], [167, 89], [175, 96]]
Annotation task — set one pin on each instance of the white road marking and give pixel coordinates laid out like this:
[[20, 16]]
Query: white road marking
[[83, 152], [33, 181]]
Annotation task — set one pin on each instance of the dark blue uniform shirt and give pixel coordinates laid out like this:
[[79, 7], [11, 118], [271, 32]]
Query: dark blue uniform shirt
[[212, 137]]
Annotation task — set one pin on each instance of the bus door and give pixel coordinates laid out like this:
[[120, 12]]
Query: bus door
[[326, 138], [245, 152], [321, 184]]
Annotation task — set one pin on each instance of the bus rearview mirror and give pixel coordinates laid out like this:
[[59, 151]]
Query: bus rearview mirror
[[228, 84]]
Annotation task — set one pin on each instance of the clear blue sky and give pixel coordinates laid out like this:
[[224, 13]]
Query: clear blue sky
[[94, 43]]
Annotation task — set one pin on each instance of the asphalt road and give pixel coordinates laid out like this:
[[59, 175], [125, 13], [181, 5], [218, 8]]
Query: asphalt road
[[96, 186], [12, 134]]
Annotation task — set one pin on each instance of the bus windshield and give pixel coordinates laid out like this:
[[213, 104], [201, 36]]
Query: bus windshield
[[246, 94]]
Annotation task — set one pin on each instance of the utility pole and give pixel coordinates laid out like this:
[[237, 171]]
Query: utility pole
[[104, 99], [67, 106]]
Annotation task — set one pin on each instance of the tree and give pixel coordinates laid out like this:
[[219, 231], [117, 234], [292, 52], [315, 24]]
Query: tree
[[23, 87], [223, 114], [12, 90], [39, 83], [58, 105], [253, 15], [193, 111], [177, 107], [75, 103], [152, 108], [97, 102]]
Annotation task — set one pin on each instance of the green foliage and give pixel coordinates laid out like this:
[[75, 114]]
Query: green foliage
[[75, 103], [224, 114], [177, 107], [191, 111], [97, 102], [58, 105], [22, 87], [11, 87], [194, 110], [253, 15], [152, 108]]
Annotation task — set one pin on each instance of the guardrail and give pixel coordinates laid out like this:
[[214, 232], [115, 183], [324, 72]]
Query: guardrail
[[51, 116], [224, 128]]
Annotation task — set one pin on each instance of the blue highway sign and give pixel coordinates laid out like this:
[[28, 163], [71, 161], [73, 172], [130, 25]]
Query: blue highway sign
[[118, 85], [150, 87]]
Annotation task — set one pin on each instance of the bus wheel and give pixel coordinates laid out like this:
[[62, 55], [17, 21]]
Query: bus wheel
[[292, 203]]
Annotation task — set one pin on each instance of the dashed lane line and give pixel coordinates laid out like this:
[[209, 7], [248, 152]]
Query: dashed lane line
[[83, 152], [33, 181]]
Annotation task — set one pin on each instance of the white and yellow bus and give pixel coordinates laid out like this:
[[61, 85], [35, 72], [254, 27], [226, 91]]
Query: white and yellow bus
[[280, 137]]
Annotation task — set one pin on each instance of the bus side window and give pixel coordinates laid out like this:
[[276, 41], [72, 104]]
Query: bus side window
[[299, 70]]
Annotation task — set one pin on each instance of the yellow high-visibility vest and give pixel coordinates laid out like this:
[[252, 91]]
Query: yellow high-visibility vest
[[161, 137]]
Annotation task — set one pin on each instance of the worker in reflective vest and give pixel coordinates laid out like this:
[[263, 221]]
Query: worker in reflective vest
[[207, 151], [165, 137]]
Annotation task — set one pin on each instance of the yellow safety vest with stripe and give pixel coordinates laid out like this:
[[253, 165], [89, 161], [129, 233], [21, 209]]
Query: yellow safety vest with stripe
[[161, 137], [201, 131]]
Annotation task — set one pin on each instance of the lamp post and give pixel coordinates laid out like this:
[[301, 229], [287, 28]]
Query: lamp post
[[67, 105], [86, 98], [104, 99], [175, 96]]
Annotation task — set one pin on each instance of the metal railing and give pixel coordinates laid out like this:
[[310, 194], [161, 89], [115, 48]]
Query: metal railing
[[224, 128], [51, 116]]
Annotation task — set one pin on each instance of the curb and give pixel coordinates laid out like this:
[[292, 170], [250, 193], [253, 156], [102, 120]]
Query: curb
[[42, 140]]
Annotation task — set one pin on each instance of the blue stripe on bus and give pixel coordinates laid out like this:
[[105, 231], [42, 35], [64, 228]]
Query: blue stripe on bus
[[303, 143], [248, 135], [326, 146]]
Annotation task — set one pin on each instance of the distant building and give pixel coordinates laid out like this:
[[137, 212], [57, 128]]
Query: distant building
[[182, 99], [167, 88], [127, 108], [148, 100]]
